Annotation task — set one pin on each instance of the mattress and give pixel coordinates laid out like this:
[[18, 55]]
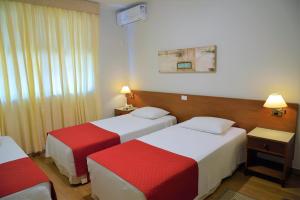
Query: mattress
[[41, 191], [127, 126], [217, 157]]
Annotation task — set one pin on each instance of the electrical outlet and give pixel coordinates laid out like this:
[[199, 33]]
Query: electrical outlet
[[184, 98]]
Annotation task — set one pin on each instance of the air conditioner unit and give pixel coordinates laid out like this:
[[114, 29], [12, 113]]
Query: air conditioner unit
[[131, 15]]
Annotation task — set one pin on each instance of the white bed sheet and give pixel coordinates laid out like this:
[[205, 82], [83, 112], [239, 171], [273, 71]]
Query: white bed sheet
[[217, 157], [127, 126], [10, 151]]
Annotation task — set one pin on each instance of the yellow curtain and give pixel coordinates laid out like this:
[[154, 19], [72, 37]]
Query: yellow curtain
[[48, 71]]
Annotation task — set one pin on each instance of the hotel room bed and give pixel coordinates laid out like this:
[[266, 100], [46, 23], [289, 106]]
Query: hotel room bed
[[10, 152], [127, 126], [217, 156]]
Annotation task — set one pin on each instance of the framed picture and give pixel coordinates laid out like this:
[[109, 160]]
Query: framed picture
[[199, 59]]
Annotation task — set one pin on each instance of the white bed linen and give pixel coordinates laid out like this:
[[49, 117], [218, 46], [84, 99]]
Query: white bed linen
[[127, 126], [10, 151], [217, 157]]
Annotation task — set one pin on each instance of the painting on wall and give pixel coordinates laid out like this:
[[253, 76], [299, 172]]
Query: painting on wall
[[199, 59]]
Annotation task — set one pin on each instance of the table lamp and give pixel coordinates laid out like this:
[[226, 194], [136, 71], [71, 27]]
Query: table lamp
[[276, 103], [125, 90]]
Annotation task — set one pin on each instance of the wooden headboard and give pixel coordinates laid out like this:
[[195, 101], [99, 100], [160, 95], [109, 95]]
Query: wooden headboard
[[247, 113]]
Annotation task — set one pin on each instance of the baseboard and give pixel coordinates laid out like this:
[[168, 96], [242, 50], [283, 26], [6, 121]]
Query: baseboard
[[296, 171], [40, 153]]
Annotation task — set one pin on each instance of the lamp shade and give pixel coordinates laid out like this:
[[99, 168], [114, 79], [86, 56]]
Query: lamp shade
[[125, 90], [275, 101]]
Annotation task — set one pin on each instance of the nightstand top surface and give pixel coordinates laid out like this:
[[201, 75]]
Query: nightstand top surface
[[129, 109], [270, 134]]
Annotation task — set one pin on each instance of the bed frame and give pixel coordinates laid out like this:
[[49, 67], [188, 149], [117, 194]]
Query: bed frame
[[247, 113]]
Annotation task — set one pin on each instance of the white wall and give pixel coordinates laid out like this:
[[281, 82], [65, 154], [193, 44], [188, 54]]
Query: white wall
[[258, 45], [113, 61]]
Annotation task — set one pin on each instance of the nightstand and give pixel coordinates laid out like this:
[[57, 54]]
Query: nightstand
[[122, 111], [270, 153]]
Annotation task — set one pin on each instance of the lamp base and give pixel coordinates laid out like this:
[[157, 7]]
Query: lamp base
[[279, 112]]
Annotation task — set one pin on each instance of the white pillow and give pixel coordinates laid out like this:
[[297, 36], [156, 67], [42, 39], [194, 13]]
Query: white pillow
[[208, 124], [149, 112]]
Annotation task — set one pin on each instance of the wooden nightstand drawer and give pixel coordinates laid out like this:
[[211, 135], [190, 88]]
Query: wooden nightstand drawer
[[268, 146]]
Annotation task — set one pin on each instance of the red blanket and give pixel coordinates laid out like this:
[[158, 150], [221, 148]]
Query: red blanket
[[159, 174], [84, 140], [21, 174]]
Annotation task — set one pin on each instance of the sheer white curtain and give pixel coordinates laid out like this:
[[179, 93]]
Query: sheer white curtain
[[48, 71]]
